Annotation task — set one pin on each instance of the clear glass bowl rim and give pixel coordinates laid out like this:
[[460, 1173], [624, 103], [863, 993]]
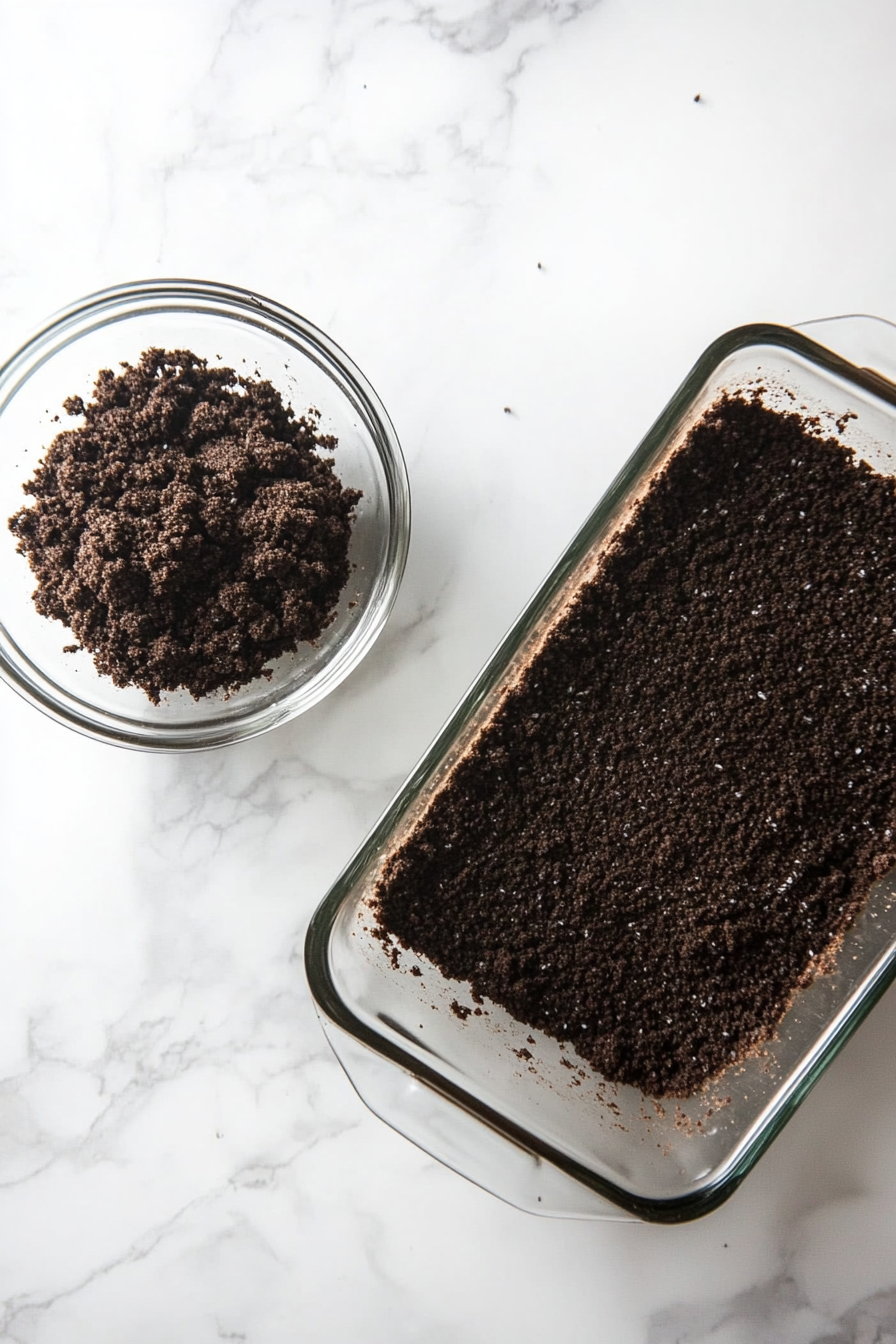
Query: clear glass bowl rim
[[230, 302]]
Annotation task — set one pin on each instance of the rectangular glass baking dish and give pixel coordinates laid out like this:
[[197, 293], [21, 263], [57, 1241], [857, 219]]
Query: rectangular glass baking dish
[[475, 1091]]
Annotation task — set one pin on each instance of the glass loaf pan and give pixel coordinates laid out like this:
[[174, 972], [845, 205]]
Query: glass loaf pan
[[456, 1087]]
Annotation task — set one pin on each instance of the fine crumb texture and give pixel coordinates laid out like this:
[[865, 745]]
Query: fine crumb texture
[[188, 532], [667, 826]]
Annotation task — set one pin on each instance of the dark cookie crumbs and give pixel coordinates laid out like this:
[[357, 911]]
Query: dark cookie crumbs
[[189, 532], [669, 823]]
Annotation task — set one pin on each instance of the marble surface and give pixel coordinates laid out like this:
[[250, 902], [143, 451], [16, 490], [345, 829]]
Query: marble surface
[[488, 204]]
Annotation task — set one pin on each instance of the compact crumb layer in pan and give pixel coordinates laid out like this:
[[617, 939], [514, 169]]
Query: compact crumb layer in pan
[[668, 824], [188, 532]]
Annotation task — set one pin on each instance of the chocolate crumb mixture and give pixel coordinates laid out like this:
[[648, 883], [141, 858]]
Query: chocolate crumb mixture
[[189, 532], [667, 826]]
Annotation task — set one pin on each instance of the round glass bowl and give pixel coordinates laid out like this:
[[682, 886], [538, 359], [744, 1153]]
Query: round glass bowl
[[250, 334]]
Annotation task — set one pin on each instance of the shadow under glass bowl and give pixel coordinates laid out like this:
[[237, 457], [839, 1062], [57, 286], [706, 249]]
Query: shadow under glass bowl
[[229, 327]]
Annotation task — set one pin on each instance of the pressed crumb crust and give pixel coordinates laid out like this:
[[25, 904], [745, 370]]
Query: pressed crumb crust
[[188, 532], [668, 824]]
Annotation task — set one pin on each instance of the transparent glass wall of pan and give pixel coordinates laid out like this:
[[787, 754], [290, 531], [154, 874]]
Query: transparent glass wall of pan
[[647, 1156], [462, 1142]]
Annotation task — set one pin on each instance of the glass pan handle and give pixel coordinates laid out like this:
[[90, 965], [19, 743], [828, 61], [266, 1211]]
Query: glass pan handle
[[869, 342]]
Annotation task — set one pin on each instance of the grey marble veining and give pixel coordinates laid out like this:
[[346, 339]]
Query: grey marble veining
[[489, 204]]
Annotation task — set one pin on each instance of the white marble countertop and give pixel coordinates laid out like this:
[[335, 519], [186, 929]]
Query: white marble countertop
[[488, 204]]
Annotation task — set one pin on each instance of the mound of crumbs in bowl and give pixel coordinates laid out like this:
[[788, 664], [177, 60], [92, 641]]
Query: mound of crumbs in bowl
[[190, 530], [679, 806]]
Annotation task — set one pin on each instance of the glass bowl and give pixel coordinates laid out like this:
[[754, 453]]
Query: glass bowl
[[501, 1103], [229, 327]]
